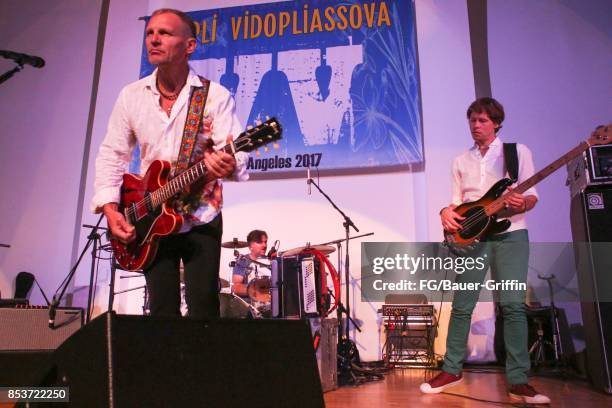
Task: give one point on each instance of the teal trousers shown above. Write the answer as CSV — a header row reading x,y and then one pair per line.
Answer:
x,y
508,256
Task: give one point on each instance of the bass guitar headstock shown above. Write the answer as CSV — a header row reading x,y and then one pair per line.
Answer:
x,y
601,135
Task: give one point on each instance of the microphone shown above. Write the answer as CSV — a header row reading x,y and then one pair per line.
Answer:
x,y
52,309
22,59
273,250
308,179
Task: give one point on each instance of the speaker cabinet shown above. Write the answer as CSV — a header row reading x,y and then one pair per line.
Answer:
x,y
591,217
26,341
325,336
138,361
28,329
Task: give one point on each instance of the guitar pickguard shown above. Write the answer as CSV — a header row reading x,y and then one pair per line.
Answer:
x,y
474,228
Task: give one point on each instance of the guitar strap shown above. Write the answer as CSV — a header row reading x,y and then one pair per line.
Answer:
x,y
197,103
511,160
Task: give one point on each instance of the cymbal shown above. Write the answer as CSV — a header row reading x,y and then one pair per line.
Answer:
x,y
325,249
234,244
223,283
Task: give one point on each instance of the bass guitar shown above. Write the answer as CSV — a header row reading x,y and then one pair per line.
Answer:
x,y
481,215
145,199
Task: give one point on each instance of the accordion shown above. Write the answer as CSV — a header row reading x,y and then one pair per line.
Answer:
x,y
296,287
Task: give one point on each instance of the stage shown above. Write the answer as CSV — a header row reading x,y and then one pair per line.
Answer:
x,y
400,388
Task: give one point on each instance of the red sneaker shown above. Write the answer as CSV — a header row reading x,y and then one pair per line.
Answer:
x,y
440,382
526,393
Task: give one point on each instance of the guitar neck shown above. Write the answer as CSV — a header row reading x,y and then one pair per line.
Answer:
x,y
551,168
178,183
498,204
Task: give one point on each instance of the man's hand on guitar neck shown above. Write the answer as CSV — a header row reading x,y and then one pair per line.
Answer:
x,y
516,203
219,163
119,227
450,219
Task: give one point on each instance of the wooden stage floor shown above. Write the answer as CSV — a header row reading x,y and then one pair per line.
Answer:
x,y
400,388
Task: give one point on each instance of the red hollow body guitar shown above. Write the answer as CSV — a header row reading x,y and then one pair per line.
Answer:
x,y
144,199
481,216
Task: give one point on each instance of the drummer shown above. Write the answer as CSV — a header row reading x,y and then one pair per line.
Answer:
x,y
258,244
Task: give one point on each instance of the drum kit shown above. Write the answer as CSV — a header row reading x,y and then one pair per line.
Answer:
x,y
258,303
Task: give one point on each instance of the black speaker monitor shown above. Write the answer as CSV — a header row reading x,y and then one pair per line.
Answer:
x,y
128,361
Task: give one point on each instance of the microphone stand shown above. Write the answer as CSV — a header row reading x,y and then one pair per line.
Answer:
x,y
8,74
92,238
342,308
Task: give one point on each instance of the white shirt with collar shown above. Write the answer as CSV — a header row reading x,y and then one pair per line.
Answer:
x,y
137,117
473,175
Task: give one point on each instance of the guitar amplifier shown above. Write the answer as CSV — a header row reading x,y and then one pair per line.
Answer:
x,y
591,168
591,219
295,290
28,328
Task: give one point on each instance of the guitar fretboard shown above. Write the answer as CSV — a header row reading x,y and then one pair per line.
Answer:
x,y
498,204
184,179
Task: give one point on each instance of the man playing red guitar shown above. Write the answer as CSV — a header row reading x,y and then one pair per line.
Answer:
x,y
474,172
152,112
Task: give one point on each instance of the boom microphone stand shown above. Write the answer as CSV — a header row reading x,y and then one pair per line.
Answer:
x,y
347,350
92,238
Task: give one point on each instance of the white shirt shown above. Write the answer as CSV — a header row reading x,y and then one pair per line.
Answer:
x,y
473,175
137,117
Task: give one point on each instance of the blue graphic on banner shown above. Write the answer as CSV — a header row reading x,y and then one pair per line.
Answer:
x,y
340,76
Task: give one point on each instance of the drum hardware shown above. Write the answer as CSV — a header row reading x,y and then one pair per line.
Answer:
x,y
131,289
136,274
258,287
235,244
259,263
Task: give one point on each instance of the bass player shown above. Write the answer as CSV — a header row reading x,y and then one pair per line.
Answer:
x,y
507,253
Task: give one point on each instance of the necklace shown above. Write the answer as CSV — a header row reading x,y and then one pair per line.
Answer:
x,y
170,97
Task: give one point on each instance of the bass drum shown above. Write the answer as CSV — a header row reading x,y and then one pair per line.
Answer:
x,y
234,307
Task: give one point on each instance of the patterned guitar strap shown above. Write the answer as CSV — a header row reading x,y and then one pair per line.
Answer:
x,y
189,152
